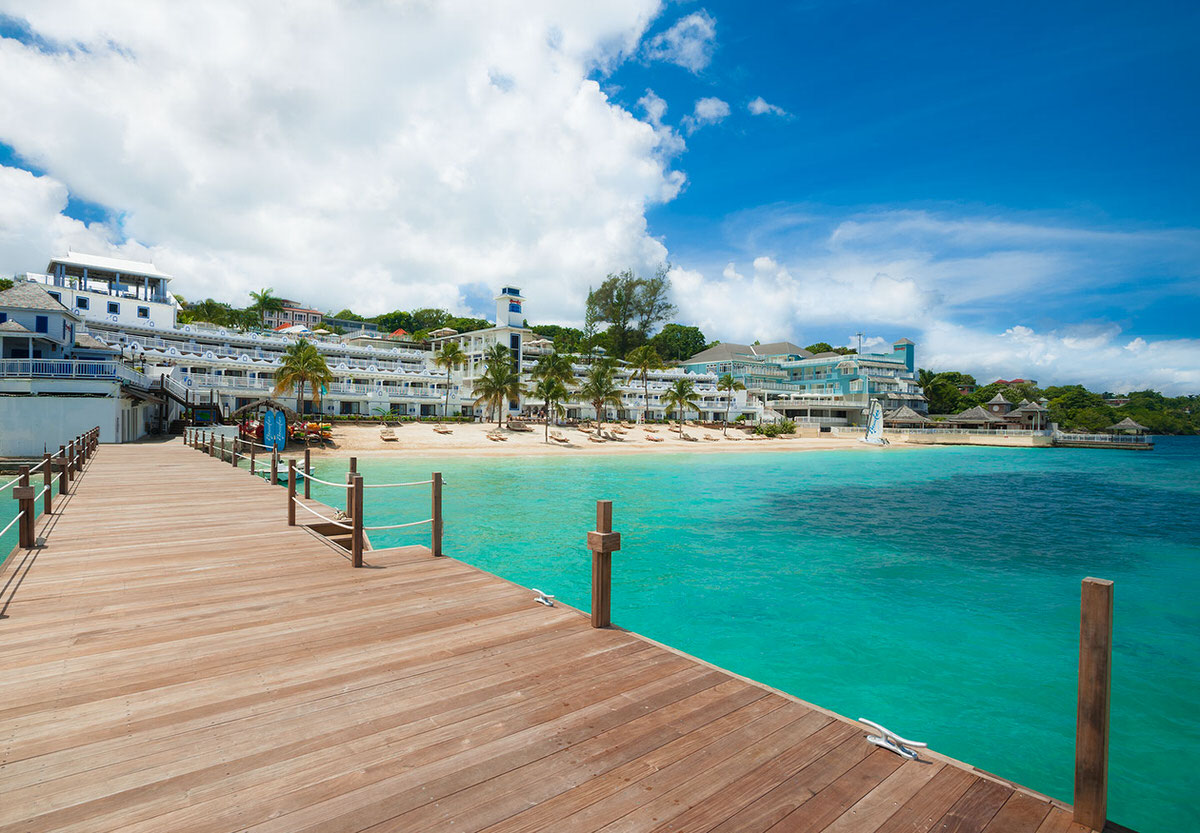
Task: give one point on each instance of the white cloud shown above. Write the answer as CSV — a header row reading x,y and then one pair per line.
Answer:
x,y
826,274
670,143
710,110
366,155
760,107
689,43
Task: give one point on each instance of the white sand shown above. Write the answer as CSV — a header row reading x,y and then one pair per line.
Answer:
x,y
470,439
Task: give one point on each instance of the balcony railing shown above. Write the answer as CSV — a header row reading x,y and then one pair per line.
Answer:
x,y
71,369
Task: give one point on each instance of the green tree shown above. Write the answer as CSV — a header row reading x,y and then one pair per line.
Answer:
x,y
731,385
500,382
641,362
5,283
347,315
632,306
943,397
680,397
264,301
449,357
555,366
600,387
820,347
302,365
925,378
566,339
553,392
677,342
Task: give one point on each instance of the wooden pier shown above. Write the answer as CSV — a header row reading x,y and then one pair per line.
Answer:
x,y
178,658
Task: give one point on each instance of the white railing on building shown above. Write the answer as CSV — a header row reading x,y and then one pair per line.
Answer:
x,y
1103,438
72,369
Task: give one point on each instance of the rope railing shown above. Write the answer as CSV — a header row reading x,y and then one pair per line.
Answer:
x,y
301,504
70,461
13,521
207,442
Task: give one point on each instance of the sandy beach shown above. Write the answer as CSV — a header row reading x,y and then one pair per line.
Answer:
x,y
471,439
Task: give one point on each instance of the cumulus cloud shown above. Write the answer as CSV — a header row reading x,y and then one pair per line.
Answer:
x,y
760,107
708,110
975,293
370,155
670,143
689,43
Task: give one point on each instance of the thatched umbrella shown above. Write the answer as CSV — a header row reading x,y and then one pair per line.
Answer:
x,y
267,402
1128,426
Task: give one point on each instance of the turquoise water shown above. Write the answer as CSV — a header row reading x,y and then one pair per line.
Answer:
x,y
933,590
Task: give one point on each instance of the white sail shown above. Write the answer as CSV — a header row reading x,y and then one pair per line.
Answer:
x,y
874,434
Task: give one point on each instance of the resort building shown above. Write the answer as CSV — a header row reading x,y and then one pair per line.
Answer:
x,y
291,313
106,289
56,381
785,380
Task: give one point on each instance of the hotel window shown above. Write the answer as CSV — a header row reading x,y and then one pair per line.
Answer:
x,y
143,312
56,296
81,303
114,308
3,317
41,324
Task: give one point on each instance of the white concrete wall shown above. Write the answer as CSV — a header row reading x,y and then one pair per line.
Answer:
x,y
31,424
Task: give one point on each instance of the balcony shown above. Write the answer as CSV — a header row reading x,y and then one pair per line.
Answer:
x,y
70,369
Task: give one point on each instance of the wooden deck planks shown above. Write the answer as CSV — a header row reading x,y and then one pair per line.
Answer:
x,y
178,658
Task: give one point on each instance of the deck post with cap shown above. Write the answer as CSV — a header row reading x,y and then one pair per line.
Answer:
x,y
274,467
603,543
291,492
64,476
350,486
253,448
307,472
1095,683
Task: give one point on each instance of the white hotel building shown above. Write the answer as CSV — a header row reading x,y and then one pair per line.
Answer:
x,y
127,364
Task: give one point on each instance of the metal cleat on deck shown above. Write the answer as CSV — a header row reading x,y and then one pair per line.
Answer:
x,y
542,599
893,742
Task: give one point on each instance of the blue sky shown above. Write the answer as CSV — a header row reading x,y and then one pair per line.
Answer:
x,y
1011,185
1079,115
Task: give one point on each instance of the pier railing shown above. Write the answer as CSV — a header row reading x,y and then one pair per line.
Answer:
x,y
1121,439
349,523
68,464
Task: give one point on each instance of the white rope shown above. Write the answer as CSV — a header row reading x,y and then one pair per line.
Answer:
x,y
319,515
12,482
391,485
399,526
10,523
38,466
326,482
42,492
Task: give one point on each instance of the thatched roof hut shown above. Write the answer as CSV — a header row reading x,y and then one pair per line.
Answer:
x,y
1128,426
905,417
266,402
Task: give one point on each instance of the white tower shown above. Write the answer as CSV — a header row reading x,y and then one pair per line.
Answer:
x,y
510,308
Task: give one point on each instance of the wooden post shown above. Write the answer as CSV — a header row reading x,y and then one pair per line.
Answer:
x,y
79,456
274,467
24,497
307,472
435,532
233,461
64,477
350,485
222,457
356,542
67,461
291,492
603,543
212,444
1091,727
253,447
71,458
48,483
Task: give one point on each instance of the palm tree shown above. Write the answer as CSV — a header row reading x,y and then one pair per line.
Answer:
x,y
600,387
730,384
681,396
450,357
500,382
553,392
264,302
925,378
555,366
641,361
302,365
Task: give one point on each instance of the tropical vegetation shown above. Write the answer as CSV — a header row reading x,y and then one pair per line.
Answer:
x,y
640,363
303,366
681,397
500,382
730,385
264,301
600,387
448,358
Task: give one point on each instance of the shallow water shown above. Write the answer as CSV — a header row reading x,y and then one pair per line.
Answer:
x,y
933,590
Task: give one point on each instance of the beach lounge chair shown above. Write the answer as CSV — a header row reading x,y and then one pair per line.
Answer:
x,y
655,439
649,430
387,433
710,438
734,439
558,437
595,439
441,429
